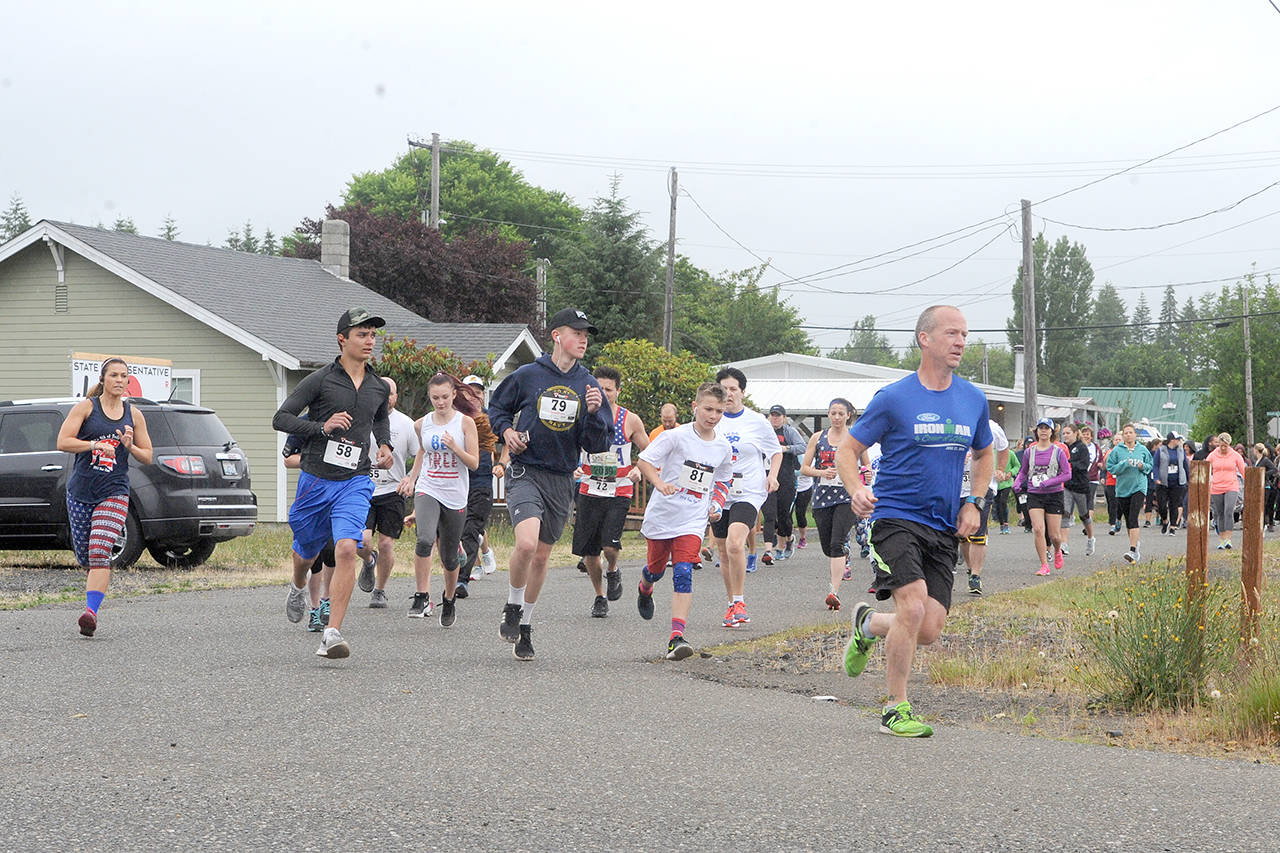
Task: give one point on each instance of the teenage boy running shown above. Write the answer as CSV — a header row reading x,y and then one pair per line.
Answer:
x,y
690,468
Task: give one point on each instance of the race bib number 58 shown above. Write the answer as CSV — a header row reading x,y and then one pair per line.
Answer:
x,y
342,454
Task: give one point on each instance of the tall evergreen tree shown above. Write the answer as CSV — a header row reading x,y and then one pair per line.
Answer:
x,y
169,228
124,225
1110,311
15,219
270,245
1064,293
1167,332
866,345
1141,332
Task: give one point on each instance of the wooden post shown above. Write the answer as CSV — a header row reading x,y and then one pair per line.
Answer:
x,y
1197,530
1251,552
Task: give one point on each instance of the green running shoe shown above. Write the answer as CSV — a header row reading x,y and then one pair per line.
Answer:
x,y
855,651
900,721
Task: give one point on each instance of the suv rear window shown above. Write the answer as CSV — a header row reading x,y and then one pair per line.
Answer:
x,y
29,432
197,429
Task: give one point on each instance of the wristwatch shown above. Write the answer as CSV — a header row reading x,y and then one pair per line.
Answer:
x,y
979,502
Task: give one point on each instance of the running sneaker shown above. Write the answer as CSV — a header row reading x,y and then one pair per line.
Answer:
x,y
613,584
788,552
901,721
803,543
1115,528
1228,546
855,651
378,599
460,591
509,627
1004,530
582,566
524,645
706,554
448,612
1044,569
678,648
88,622
1057,558
314,625
489,561
833,601
333,646
1064,550
296,604
420,607
740,616
366,571
848,572
644,603
1089,545
697,567
324,612
1146,523
975,584
751,563
729,620
767,557
1131,556
600,607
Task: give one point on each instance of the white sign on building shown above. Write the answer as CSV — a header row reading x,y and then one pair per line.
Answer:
x,y
148,377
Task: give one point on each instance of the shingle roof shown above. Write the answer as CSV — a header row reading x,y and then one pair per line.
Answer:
x,y
291,303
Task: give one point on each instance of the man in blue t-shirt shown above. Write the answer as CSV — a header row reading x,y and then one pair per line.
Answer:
x,y
925,424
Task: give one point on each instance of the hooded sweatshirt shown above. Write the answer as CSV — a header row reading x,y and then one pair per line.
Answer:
x,y
551,405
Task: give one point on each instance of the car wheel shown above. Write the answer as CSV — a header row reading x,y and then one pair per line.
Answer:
x,y
128,547
182,556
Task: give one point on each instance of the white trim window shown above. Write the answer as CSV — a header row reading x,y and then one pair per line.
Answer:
x,y
185,385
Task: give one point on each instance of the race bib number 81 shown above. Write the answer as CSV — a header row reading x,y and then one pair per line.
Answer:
x,y
695,478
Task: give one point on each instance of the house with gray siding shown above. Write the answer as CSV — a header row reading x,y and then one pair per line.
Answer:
x,y
240,329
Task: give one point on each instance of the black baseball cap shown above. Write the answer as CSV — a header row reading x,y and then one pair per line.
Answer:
x,y
359,317
777,410
571,317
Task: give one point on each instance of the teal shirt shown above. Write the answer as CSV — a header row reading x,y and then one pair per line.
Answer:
x,y
1130,479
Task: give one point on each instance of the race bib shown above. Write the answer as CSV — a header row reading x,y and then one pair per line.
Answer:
x,y
342,454
1173,469
383,476
695,478
737,488
603,465
557,410
605,488
835,481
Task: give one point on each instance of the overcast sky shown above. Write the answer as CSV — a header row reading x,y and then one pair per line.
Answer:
x,y
813,134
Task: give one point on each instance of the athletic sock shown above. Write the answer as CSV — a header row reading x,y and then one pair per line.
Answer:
x,y
526,614
677,627
865,627
736,599
515,595
646,587
93,599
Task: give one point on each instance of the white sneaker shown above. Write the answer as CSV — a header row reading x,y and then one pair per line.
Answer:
x,y
489,562
296,604
1088,546
1064,551
333,646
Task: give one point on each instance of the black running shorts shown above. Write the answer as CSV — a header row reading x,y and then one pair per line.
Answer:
x,y
906,551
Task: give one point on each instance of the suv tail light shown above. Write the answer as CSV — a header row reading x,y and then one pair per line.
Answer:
x,y
188,466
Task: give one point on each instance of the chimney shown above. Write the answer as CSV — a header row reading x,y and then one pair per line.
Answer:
x,y
335,247
1019,366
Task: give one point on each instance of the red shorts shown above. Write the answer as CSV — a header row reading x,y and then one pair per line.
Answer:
x,y
682,549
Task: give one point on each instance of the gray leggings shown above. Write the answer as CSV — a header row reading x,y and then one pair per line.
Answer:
x,y
1224,511
437,522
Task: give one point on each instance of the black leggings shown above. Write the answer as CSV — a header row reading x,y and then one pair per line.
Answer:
x,y
802,507
1002,506
777,513
834,524
1169,503
479,505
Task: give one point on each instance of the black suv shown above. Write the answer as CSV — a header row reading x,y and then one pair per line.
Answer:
x,y
193,495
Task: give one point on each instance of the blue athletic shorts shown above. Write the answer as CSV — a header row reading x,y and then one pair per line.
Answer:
x,y
328,508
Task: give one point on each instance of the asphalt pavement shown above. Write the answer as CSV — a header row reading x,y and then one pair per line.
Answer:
x,y
205,721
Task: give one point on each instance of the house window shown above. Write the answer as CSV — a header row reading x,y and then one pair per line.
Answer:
x,y
185,385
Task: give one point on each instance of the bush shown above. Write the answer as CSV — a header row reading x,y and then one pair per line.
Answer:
x,y
1145,648
412,367
652,376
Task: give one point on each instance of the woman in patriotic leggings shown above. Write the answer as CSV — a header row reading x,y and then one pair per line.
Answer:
x,y
103,431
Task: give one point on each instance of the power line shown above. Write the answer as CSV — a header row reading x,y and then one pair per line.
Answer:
x,y
1088,327
1204,215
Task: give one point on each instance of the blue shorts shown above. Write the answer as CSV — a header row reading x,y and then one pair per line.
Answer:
x,y
328,508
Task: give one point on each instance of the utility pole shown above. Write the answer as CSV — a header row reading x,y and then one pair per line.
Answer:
x,y
1248,372
543,263
435,182
1030,344
669,309
985,379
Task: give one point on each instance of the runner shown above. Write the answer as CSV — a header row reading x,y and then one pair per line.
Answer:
x,y
479,495
1045,469
605,490
546,413
777,507
973,548
386,507
804,496
1004,490
690,468
447,451
751,437
322,568
670,419
925,423
1172,474
831,510
344,402
1130,463
103,431
1097,470
1226,474
1075,496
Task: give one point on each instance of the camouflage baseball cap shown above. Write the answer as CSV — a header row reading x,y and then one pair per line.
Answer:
x,y
359,317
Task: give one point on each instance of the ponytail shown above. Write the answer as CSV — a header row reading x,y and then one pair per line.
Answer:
x,y
96,390
462,401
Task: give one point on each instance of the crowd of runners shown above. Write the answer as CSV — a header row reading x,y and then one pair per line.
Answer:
x,y
910,484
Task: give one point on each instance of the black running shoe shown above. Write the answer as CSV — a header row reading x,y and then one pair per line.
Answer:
x,y
460,591
509,627
582,566
678,648
599,607
613,582
447,614
524,645
644,603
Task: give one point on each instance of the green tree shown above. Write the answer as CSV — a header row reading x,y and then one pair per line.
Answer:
x,y
15,219
1167,331
612,271
758,323
1141,332
1106,335
1224,408
651,376
999,363
248,240
866,345
270,245
124,225
700,300
412,366
1064,293
169,228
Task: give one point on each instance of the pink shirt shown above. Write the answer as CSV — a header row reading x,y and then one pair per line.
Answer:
x,y
1222,471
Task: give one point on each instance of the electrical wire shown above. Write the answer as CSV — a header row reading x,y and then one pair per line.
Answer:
x,y
1204,215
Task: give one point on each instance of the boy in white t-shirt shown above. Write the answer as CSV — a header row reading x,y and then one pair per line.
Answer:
x,y
690,468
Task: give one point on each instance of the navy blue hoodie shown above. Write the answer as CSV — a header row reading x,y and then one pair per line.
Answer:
x,y
551,405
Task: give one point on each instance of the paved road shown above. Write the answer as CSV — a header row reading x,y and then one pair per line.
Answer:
x,y
203,720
